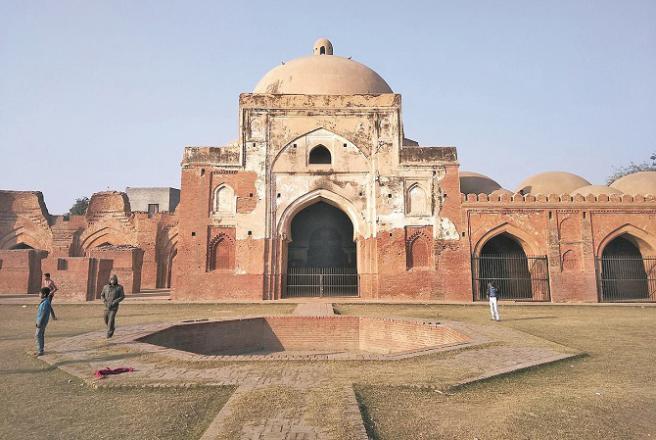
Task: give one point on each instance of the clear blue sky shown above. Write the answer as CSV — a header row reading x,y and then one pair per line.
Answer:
x,y
97,95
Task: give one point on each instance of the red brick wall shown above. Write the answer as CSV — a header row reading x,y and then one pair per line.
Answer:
x,y
20,271
76,277
570,231
126,264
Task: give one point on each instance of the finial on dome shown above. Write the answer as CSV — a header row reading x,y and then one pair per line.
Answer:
x,y
323,46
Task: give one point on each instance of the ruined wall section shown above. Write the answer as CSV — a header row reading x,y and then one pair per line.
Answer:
x,y
24,219
221,206
64,243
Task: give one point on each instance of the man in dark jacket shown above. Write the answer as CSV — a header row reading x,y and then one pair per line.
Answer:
x,y
112,294
42,317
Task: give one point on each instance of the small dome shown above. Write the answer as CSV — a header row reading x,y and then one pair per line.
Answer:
x,y
323,46
596,190
642,182
475,183
552,182
322,74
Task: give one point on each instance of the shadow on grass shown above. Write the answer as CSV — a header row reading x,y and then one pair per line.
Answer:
x,y
518,373
528,318
369,425
54,366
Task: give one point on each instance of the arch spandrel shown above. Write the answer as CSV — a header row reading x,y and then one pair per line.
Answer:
x,y
284,219
345,154
22,234
525,240
646,242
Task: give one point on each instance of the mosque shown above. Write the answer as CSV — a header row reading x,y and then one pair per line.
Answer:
x,y
322,194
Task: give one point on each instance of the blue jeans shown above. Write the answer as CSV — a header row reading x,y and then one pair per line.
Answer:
x,y
40,338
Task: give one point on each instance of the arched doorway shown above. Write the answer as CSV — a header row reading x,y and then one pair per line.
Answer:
x,y
321,256
625,274
503,261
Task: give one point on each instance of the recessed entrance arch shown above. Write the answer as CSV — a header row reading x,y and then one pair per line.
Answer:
x,y
517,276
624,273
321,253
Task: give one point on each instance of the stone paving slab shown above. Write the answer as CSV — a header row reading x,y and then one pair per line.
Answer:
x,y
314,309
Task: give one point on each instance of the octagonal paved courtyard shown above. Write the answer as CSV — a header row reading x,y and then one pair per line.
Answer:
x,y
305,392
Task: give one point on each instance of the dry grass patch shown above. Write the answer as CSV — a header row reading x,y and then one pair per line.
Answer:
x,y
608,394
40,401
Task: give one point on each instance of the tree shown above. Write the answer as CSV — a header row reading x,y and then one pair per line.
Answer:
x,y
631,168
80,206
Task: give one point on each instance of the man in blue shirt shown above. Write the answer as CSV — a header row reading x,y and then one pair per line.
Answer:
x,y
493,294
42,317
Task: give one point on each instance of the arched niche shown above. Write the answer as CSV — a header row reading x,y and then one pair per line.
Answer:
x,y
224,200
417,201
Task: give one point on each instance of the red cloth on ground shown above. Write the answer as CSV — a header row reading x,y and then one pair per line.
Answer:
x,y
101,374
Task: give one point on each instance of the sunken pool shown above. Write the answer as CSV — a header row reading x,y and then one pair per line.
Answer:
x,y
308,337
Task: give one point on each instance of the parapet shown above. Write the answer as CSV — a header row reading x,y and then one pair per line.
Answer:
x,y
228,155
427,155
516,199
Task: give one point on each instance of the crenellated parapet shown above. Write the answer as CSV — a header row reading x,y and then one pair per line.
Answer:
x,y
511,200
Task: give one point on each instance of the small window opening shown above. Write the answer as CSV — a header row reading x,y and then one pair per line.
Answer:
x,y
320,155
62,264
389,196
250,232
345,145
202,171
278,195
250,194
584,214
153,208
193,234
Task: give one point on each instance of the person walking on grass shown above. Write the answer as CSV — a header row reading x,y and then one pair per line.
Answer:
x,y
42,317
50,284
493,294
112,294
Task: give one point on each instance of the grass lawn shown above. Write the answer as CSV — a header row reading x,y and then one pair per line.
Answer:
x,y
42,402
611,394
608,394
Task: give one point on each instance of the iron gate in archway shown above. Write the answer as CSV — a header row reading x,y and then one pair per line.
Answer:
x,y
626,279
517,277
321,281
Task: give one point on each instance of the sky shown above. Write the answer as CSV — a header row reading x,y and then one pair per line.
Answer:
x,y
98,95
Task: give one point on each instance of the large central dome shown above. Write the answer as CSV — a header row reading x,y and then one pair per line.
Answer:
x,y
322,74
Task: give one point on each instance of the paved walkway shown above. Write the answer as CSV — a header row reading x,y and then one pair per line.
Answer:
x,y
314,309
